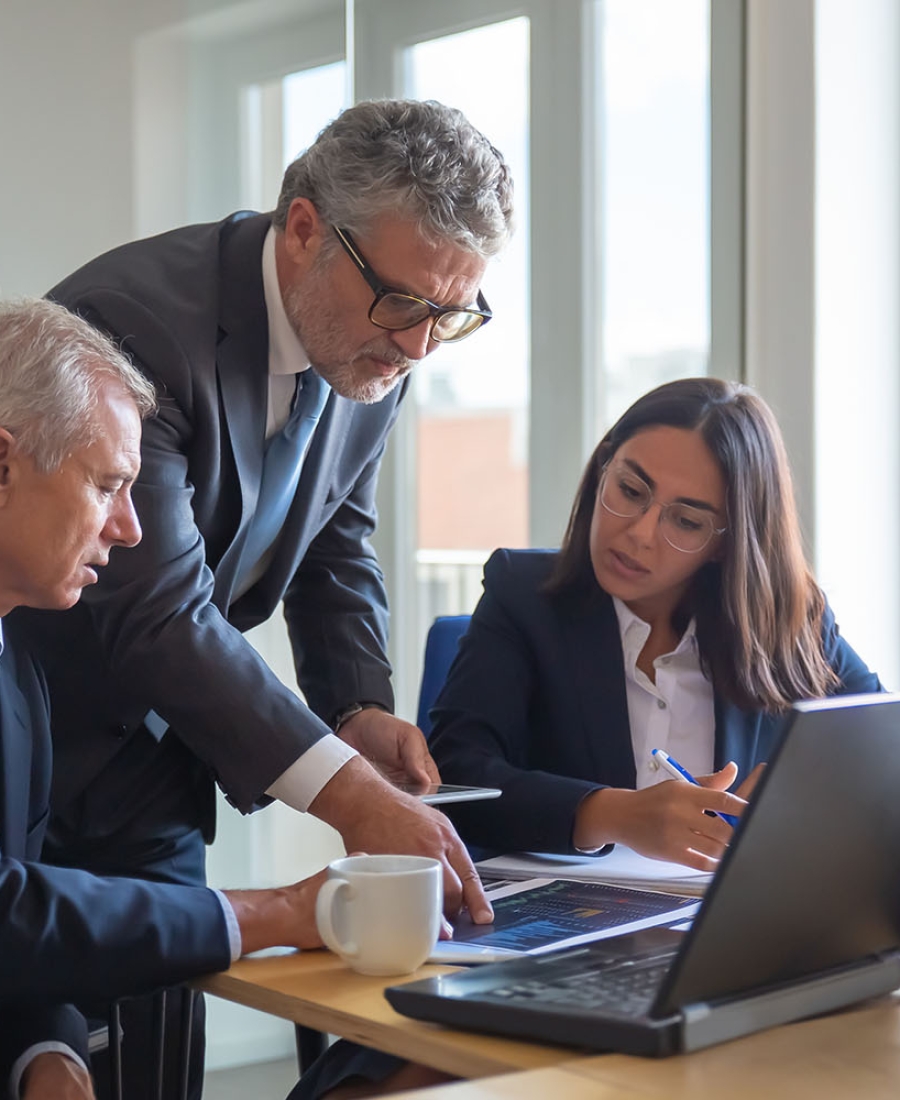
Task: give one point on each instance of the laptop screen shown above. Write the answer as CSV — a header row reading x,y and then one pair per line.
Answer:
x,y
812,878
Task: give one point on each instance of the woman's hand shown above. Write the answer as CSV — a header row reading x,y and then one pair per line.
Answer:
x,y
667,821
746,789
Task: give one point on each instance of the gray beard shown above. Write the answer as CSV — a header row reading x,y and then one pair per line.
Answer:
x,y
343,380
319,332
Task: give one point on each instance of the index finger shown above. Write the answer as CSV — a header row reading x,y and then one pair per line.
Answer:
x,y
472,891
478,905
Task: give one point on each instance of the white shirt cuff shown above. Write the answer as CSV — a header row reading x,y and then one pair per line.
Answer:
x,y
298,786
24,1061
231,923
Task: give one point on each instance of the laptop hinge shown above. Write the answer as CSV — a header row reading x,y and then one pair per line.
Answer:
x,y
705,1023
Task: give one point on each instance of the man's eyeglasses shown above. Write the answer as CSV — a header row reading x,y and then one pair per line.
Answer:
x,y
684,527
397,310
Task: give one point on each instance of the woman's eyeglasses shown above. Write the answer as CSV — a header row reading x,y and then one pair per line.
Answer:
x,y
684,527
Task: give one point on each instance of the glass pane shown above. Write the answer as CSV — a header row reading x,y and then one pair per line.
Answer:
x,y
472,399
312,98
279,119
653,160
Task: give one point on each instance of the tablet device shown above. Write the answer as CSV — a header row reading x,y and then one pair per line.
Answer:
x,y
434,794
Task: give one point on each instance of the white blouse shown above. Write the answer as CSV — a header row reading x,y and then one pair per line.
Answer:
x,y
676,713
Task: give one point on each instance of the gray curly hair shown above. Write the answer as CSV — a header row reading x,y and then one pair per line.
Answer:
x,y
421,160
51,366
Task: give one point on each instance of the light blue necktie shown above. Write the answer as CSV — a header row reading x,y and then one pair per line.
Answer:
x,y
282,464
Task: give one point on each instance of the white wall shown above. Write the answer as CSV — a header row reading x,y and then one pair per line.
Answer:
x,y
101,97
65,136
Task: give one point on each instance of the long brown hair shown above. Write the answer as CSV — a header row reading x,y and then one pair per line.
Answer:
x,y
757,606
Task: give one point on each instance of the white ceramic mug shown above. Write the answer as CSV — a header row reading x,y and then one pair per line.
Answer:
x,y
382,914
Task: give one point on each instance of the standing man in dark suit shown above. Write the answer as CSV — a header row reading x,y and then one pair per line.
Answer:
x,y
70,429
374,255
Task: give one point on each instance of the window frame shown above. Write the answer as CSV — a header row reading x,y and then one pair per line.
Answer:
x,y
566,336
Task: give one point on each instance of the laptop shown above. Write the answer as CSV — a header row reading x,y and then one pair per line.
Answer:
x,y
802,916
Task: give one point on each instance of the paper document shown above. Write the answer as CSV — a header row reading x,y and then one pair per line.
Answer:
x,y
540,915
622,867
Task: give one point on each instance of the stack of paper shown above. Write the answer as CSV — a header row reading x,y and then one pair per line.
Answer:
x,y
621,867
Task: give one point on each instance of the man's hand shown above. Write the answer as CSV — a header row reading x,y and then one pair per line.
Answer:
x,y
284,917
396,748
372,816
53,1076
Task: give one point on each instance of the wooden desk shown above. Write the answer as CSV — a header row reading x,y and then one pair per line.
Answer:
x,y
850,1055
320,991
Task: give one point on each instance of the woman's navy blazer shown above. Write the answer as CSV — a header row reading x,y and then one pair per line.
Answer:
x,y
535,704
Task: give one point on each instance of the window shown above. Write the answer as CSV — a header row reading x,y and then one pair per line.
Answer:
x,y
281,118
471,437
585,319
652,143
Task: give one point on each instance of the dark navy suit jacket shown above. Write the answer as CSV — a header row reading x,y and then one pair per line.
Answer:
x,y
535,704
161,630
65,934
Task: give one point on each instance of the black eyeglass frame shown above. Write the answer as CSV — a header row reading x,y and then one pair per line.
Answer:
x,y
381,291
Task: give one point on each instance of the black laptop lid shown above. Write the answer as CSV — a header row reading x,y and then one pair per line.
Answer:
x,y
812,878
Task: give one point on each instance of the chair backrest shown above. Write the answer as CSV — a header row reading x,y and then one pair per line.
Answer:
x,y
440,649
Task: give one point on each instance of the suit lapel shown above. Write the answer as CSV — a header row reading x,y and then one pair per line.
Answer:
x,y
594,650
243,375
15,761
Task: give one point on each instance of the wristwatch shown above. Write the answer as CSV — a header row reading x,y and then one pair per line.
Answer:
x,y
348,712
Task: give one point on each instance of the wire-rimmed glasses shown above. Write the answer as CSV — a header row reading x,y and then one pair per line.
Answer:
x,y
625,494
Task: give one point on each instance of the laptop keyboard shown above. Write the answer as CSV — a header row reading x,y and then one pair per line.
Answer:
x,y
610,987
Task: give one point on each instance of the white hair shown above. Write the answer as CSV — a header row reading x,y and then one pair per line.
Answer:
x,y
52,366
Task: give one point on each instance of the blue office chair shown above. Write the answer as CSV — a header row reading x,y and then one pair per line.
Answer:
x,y
441,646
440,649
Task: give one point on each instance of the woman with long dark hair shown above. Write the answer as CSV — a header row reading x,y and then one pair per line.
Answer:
x,y
679,614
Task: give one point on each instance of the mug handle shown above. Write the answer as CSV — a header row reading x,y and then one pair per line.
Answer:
x,y
324,909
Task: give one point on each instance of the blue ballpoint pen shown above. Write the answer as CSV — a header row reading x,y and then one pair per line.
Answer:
x,y
669,764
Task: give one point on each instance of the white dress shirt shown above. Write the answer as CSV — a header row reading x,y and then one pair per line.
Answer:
x,y
302,781
677,713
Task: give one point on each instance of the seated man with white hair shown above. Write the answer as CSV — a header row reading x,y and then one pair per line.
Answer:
x,y
70,432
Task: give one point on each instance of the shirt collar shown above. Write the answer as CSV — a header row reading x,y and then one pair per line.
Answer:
x,y
286,353
1,635
632,627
